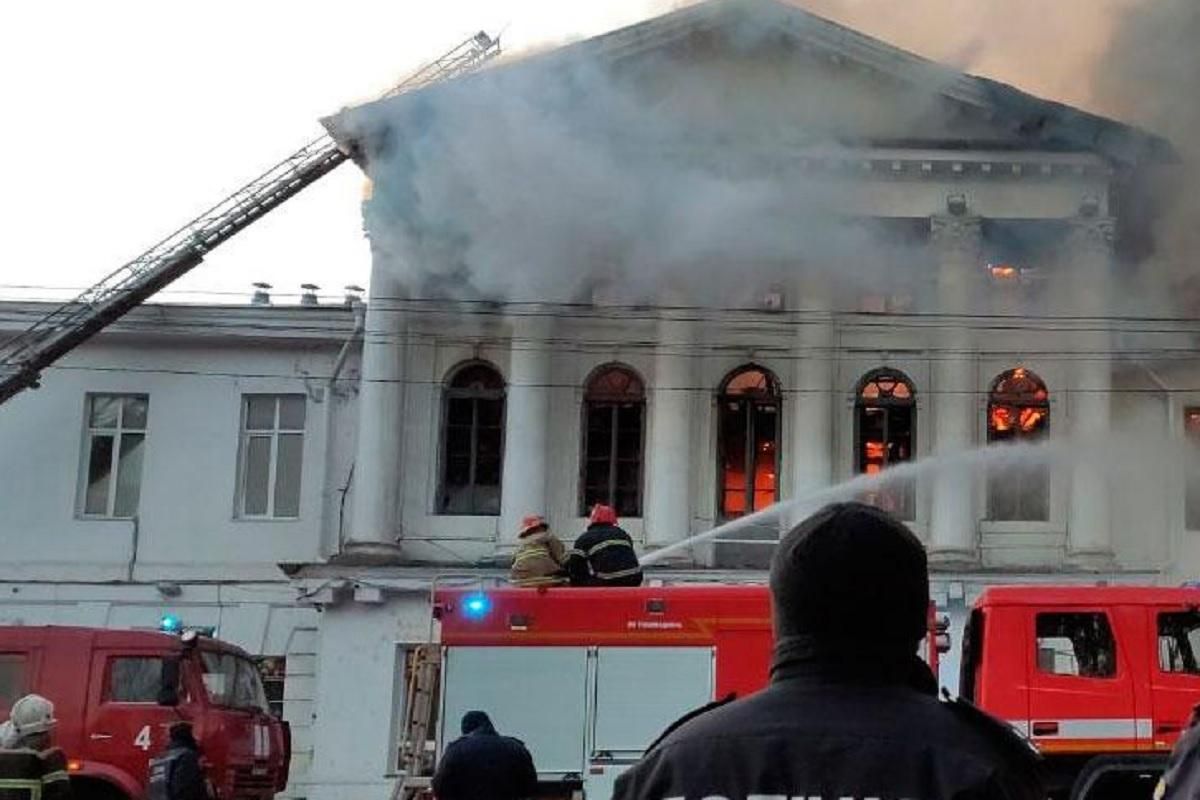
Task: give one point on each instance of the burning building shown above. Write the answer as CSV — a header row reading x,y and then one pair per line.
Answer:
x,y
732,256
728,258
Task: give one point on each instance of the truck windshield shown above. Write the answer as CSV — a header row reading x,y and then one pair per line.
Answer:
x,y
233,681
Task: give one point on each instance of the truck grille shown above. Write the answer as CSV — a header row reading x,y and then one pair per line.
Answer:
x,y
252,782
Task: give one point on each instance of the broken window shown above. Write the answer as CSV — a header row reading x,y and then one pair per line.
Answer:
x,y
1179,641
1191,505
1079,644
1018,412
885,415
748,441
614,407
472,441
116,438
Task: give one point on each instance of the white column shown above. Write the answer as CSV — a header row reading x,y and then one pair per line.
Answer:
x,y
668,501
811,402
956,244
1089,532
376,491
527,409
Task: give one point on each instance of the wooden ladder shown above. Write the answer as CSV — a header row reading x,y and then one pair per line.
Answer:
x,y
419,699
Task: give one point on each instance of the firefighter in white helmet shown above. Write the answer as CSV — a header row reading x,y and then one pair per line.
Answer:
x,y
30,766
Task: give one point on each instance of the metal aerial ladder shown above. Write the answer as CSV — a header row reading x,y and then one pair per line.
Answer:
x,y
23,357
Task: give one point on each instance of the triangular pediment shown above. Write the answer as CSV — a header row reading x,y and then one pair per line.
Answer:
x,y
747,70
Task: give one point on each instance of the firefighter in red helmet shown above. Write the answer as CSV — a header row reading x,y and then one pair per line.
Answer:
x,y
604,554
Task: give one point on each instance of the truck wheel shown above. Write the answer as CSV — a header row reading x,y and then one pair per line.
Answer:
x,y
93,789
1118,778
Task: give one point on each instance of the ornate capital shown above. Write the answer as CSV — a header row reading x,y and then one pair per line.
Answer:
x,y
1092,233
962,235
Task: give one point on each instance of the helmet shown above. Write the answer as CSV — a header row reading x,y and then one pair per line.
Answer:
x,y
32,714
532,523
603,515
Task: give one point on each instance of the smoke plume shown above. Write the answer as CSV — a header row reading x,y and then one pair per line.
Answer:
x,y
574,174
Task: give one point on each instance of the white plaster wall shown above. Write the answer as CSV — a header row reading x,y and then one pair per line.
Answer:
x,y
360,694
185,519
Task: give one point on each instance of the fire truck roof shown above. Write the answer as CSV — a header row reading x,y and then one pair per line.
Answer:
x,y
647,615
1089,595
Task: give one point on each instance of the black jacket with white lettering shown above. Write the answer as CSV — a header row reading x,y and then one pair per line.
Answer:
x,y
819,731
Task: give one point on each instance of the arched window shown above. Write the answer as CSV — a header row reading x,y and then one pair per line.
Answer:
x,y
614,408
1018,411
472,441
885,423
748,441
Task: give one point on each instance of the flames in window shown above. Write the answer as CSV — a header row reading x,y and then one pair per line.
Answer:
x,y
886,411
749,430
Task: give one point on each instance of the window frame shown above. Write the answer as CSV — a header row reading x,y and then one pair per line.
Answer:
x,y
772,397
994,399
909,488
1117,672
117,433
612,403
1191,485
275,432
110,667
451,392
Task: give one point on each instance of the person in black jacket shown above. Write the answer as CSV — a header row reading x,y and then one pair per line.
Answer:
x,y
851,711
604,554
483,765
177,774
1181,780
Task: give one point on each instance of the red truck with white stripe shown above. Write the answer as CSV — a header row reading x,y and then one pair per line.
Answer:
x,y
116,694
1101,679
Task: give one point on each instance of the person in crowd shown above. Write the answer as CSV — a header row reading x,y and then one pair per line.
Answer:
x,y
851,710
540,558
177,774
483,765
603,555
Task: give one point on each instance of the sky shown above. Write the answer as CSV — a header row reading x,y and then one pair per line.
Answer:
x,y
127,118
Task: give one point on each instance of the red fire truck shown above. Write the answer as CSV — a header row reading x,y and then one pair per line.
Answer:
x,y
1101,679
116,694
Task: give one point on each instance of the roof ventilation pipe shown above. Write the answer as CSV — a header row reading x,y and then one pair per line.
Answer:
x,y
262,294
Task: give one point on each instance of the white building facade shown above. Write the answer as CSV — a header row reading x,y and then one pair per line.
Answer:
x,y
299,477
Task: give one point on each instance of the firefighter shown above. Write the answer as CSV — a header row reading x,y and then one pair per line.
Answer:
x,y
540,556
484,764
177,774
604,554
30,766
851,711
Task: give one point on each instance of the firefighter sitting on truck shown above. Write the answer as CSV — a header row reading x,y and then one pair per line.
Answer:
x,y
604,554
540,556
30,766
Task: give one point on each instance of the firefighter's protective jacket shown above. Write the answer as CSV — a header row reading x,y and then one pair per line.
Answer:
x,y
29,775
604,556
539,561
816,734
483,765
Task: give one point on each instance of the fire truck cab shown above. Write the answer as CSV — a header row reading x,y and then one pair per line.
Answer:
x,y
1101,679
117,693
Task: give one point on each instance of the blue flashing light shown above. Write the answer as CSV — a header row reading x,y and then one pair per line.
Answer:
x,y
170,624
476,606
